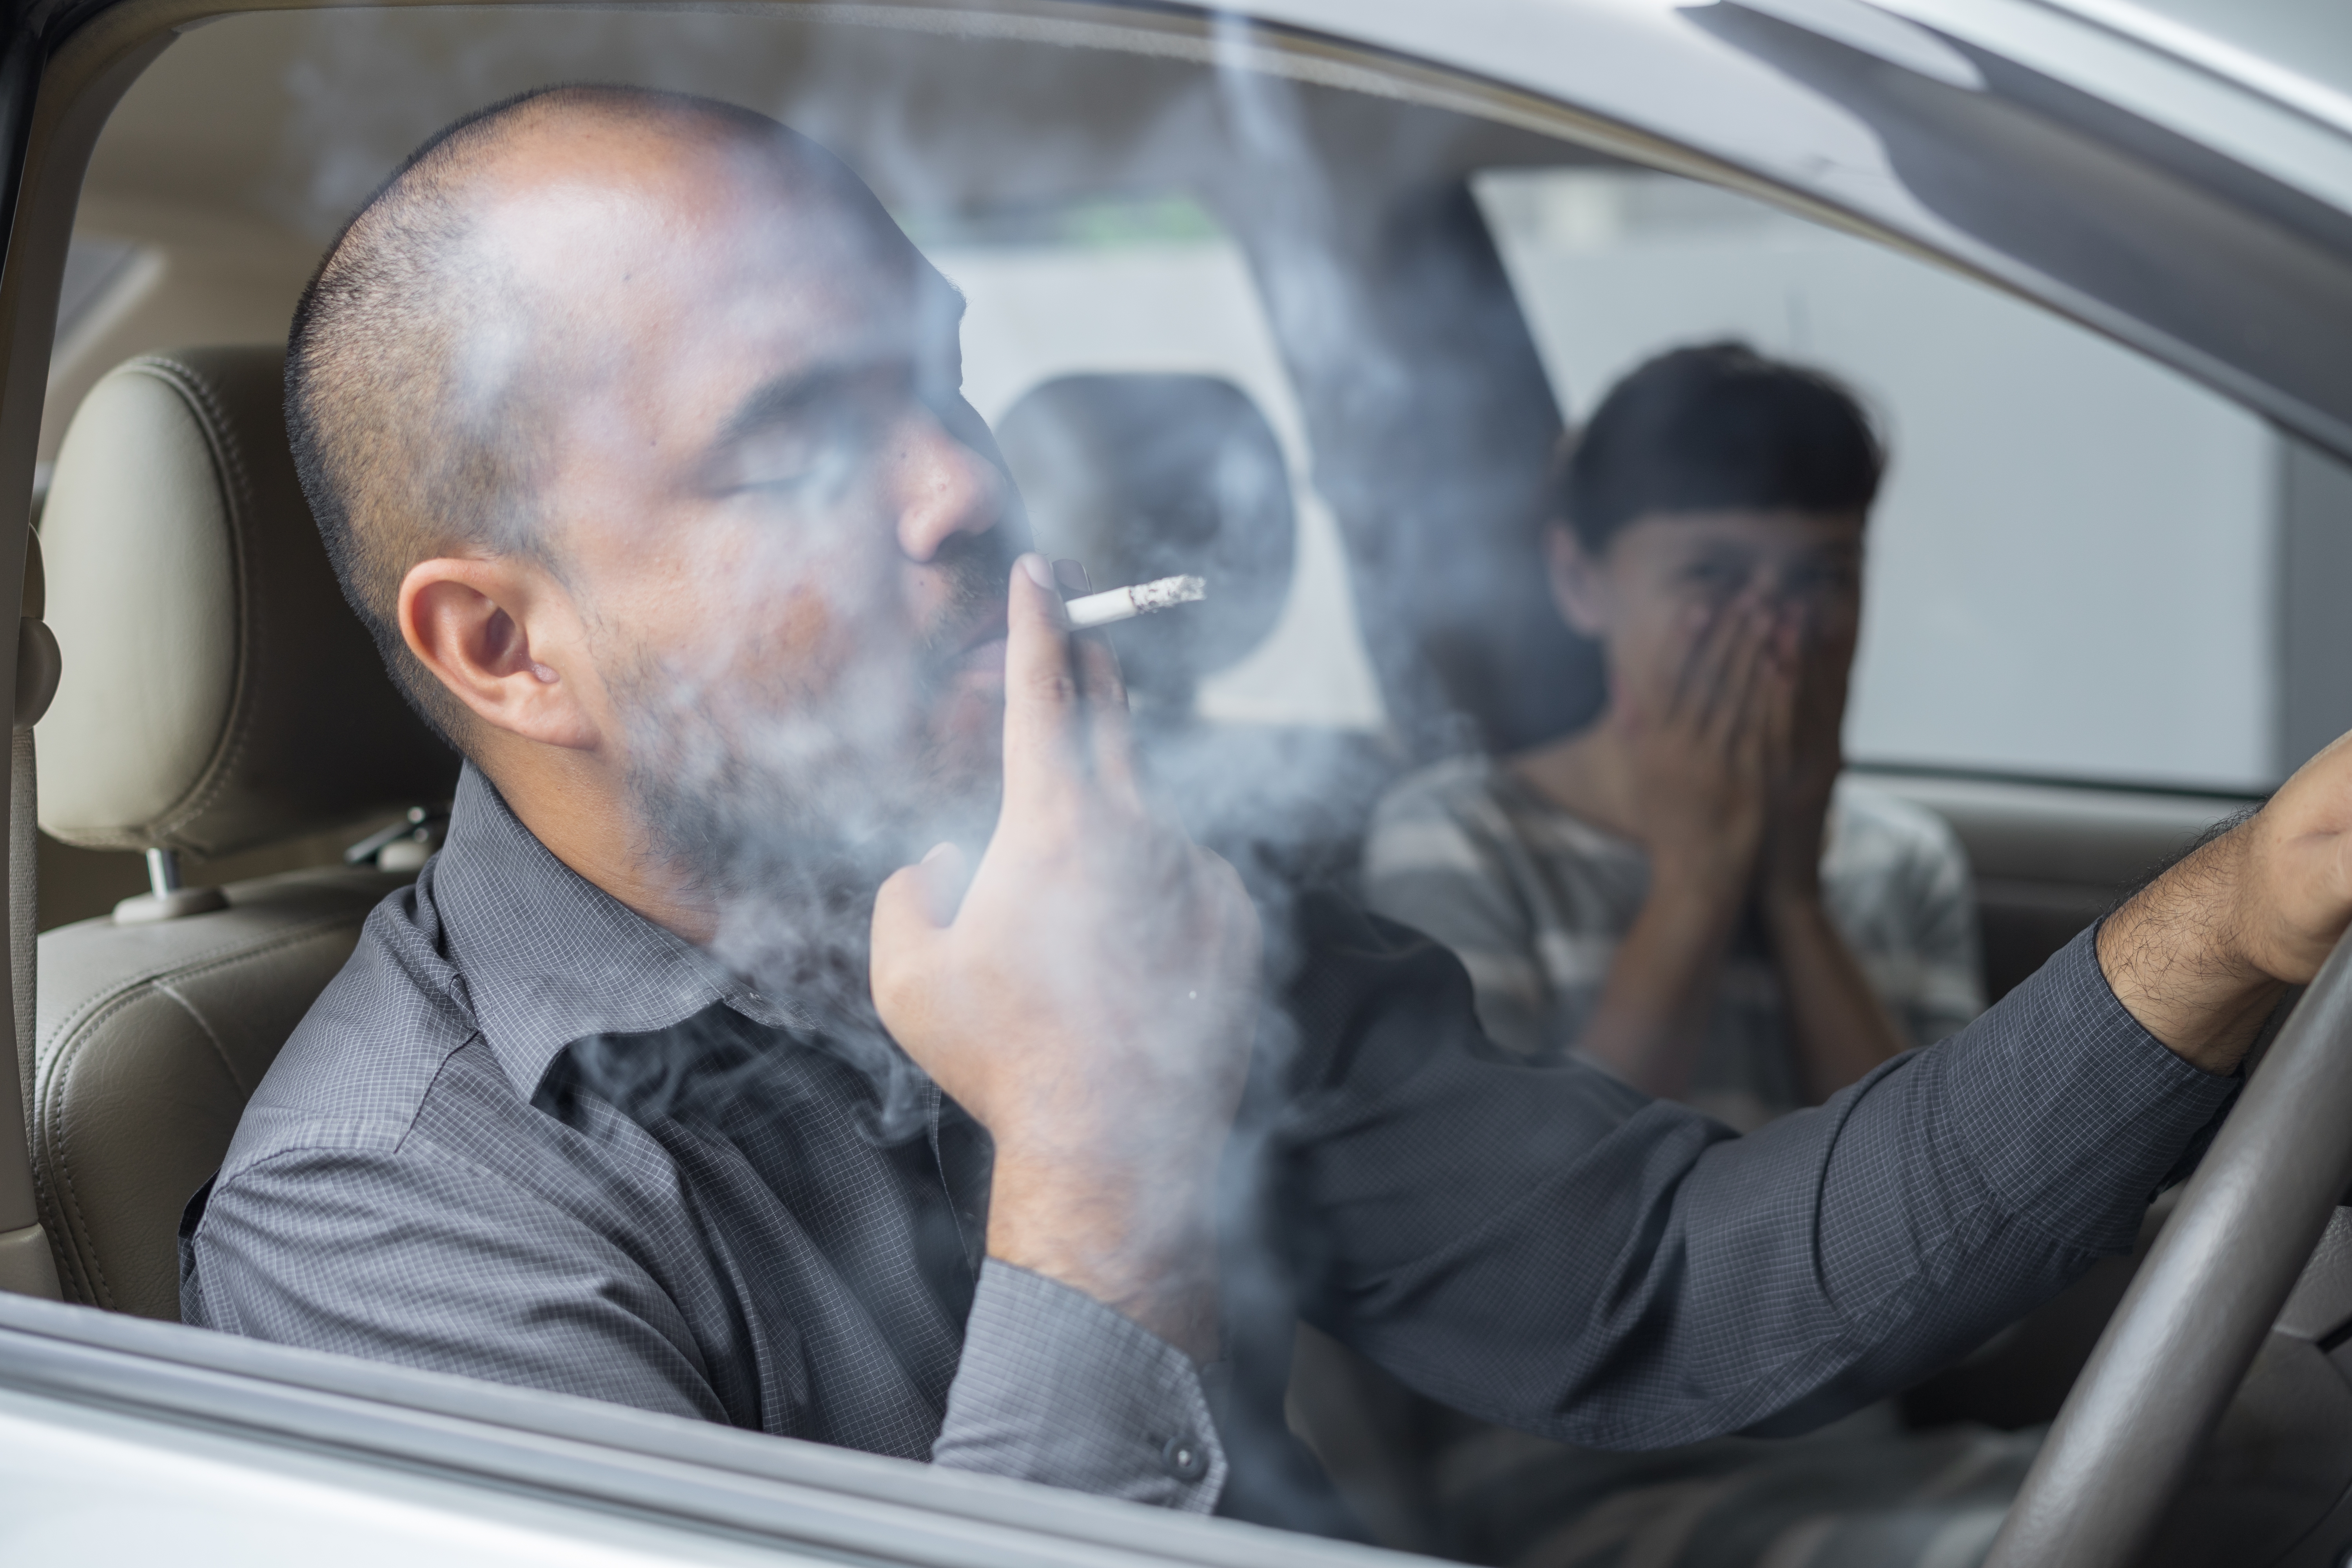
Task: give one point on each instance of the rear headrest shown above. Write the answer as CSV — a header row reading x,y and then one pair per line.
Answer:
x,y
1149,475
216,693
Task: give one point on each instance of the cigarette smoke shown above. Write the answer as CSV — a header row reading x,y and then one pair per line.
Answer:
x,y
791,800
794,810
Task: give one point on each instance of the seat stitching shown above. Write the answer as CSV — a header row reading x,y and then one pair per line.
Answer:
x,y
71,1042
205,959
103,1294
220,1050
55,1136
58,1219
51,1131
161,979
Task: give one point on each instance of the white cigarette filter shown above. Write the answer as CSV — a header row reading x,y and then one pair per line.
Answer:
x,y
1140,599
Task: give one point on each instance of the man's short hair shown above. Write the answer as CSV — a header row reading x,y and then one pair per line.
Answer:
x,y
413,386
1717,427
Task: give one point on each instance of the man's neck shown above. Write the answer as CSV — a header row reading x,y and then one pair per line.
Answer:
x,y
573,805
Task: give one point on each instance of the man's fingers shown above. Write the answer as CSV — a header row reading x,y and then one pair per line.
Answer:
x,y
941,877
1110,734
906,931
1041,695
1102,687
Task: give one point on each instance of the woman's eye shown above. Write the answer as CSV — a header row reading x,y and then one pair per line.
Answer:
x,y
1825,579
1715,574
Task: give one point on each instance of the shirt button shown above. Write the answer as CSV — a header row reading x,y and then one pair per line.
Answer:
x,y
1185,1459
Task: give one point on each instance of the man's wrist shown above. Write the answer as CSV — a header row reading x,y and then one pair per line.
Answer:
x,y
1138,1238
2172,956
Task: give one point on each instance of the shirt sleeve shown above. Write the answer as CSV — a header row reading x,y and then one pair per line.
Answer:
x,y
1427,869
1547,1249
1056,1387
324,1247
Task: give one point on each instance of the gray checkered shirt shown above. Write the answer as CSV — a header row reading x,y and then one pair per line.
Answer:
x,y
428,1176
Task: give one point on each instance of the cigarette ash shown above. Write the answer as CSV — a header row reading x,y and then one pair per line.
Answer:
x,y
1138,599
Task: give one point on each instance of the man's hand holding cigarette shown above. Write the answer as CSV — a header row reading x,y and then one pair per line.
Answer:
x,y
1091,998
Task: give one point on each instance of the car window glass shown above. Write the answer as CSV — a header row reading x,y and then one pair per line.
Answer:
x,y
1113,267
2075,568
2050,494
1158,286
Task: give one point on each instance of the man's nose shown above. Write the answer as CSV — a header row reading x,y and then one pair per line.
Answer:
x,y
947,487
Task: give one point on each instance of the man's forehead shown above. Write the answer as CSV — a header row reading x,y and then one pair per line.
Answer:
x,y
658,207
699,266
685,288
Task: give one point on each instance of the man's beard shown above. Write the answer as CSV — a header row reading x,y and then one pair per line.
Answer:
x,y
786,811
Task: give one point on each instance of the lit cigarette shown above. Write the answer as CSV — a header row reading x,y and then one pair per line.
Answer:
x,y
1126,603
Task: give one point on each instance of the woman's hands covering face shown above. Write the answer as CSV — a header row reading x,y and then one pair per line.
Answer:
x,y
1707,732
1807,771
1734,738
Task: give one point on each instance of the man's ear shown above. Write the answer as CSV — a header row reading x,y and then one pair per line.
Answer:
x,y
503,636
1578,582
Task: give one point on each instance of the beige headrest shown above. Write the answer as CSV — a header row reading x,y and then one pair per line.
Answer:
x,y
217,692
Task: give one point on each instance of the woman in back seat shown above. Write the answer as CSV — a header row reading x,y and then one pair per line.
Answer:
x,y
1684,892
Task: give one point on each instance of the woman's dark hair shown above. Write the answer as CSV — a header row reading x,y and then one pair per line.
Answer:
x,y
1712,428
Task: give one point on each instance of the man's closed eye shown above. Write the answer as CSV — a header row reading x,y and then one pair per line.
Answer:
x,y
809,461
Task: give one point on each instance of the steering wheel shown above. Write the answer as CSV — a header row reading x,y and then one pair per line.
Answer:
x,y
2189,1326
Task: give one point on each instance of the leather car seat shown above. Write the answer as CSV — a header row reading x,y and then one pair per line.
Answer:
x,y
216,695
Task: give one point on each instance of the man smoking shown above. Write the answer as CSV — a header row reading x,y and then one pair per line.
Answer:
x,y
632,425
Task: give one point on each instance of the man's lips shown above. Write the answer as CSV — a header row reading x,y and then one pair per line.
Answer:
x,y
981,650
982,660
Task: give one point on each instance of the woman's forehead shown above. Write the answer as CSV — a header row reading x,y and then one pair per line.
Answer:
x,y
1780,531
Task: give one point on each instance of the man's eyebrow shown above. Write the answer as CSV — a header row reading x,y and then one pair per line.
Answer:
x,y
788,397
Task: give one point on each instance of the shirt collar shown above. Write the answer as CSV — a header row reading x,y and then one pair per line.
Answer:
x,y
548,957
